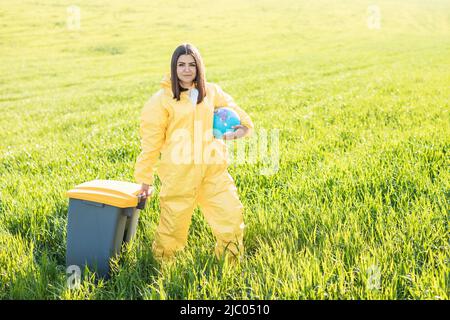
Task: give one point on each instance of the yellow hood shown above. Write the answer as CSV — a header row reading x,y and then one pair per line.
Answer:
x,y
166,82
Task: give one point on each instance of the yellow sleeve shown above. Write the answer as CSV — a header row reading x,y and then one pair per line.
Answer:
x,y
223,99
154,119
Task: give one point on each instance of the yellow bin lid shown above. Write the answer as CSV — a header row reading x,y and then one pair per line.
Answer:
x,y
114,193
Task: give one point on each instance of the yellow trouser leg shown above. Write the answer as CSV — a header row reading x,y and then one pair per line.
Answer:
x,y
179,185
172,232
222,209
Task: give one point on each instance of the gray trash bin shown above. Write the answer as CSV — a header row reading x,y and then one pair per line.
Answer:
x,y
103,214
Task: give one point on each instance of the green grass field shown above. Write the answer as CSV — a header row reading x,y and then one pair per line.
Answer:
x,y
358,208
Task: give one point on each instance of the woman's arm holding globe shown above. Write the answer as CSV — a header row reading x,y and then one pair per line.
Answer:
x,y
223,99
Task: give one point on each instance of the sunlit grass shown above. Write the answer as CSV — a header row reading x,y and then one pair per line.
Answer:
x,y
362,181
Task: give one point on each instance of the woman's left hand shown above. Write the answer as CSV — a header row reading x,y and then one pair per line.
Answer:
x,y
239,132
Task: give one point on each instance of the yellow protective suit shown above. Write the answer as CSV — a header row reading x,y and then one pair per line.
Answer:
x,y
192,168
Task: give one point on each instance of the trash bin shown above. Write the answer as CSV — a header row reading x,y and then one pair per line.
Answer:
x,y
103,214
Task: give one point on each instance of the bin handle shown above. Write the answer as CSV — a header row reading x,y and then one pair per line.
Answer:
x,y
95,204
141,202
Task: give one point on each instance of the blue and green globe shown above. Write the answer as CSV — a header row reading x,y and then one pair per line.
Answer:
x,y
224,120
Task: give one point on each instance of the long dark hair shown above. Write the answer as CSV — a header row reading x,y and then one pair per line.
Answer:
x,y
199,80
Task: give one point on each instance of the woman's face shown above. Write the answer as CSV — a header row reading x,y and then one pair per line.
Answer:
x,y
186,69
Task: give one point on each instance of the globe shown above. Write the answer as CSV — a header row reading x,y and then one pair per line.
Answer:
x,y
224,120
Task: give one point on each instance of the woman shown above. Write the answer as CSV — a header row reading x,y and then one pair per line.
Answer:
x,y
176,123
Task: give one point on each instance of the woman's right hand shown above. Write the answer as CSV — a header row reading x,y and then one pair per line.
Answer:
x,y
144,190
